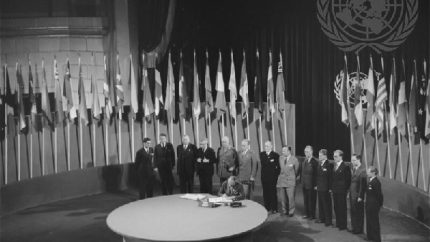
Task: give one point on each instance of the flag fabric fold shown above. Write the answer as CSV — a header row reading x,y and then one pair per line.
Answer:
x,y
96,102
46,106
83,113
170,90
20,97
196,91
258,99
270,92
381,99
233,90
10,98
412,110
358,108
67,94
280,91
148,106
133,90
119,87
402,105
370,96
421,103
344,97
183,92
243,90
158,93
58,96
107,93
209,102
220,103
392,99
31,90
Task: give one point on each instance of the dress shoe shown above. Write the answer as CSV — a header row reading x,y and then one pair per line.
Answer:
x,y
319,221
306,217
291,215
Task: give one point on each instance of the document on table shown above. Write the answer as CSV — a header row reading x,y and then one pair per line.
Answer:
x,y
194,197
221,199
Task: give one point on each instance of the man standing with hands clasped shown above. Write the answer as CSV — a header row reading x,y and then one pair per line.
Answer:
x,y
205,166
287,181
164,159
340,186
309,182
269,176
356,194
324,179
145,169
248,165
187,155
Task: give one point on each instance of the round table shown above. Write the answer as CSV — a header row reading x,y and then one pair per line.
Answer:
x,y
171,218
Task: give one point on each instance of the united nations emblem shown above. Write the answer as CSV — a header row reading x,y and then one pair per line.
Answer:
x,y
382,25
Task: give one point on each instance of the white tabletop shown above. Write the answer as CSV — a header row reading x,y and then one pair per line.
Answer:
x,y
171,218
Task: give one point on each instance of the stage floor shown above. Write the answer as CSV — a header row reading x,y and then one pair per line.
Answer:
x,y
84,219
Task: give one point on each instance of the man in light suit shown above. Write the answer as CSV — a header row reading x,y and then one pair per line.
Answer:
x,y
324,180
356,194
187,156
309,182
164,159
340,185
287,181
145,169
374,202
269,176
248,165
205,166
227,160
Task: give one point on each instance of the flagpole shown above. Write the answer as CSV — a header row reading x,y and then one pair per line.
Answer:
x,y
94,142
56,150
389,143
222,126
31,146
171,129
285,128
81,162
261,134
197,131
377,144
400,156
410,153
144,126
422,164
119,136
5,138
132,139
349,107
273,133
158,130
106,141
43,151
235,132
68,144
19,152
210,128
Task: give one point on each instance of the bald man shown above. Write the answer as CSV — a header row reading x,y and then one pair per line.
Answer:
x,y
187,156
227,160
205,166
248,165
270,170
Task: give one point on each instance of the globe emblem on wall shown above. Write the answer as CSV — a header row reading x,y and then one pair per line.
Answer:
x,y
382,25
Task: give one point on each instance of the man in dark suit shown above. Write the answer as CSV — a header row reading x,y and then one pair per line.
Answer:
x,y
324,179
356,194
187,155
340,185
270,170
164,159
374,201
309,182
248,165
205,166
145,169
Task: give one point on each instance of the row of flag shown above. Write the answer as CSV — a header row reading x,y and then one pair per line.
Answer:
x,y
388,109
65,108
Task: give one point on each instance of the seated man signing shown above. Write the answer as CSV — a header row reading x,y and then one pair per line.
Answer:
x,y
232,188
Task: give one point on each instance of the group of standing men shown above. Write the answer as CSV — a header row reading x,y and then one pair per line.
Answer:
x,y
321,179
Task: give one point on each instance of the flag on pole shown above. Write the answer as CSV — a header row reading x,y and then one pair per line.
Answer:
x,y
402,105
19,96
83,113
243,90
96,103
119,87
421,103
392,114
258,99
107,93
344,97
280,91
233,89
270,110
46,106
196,91
148,106
31,92
358,108
183,93
427,108
58,95
158,93
220,103
370,96
67,94
10,98
133,89
208,88
170,89
381,98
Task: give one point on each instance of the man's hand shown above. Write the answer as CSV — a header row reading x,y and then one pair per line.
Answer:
x,y
359,199
199,160
315,187
231,169
205,160
156,169
252,178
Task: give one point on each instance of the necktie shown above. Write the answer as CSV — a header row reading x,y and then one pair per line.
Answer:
x,y
185,147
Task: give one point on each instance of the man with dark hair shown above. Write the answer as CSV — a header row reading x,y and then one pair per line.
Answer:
x,y
374,201
232,188
324,179
340,186
287,181
145,169
164,159
309,182
187,155
205,166
356,194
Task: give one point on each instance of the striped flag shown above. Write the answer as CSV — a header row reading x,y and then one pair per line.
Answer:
x,y
119,87
421,104
220,103
170,102
392,100
233,90
427,108
196,91
58,95
370,96
83,113
381,98
133,89
243,90
208,88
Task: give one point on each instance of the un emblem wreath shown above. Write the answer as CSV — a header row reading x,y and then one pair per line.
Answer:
x,y
383,26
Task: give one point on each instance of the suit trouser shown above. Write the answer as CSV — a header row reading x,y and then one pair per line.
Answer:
x,y
205,183
339,201
287,197
248,188
310,198
372,223
146,187
324,207
357,215
167,181
186,184
269,195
